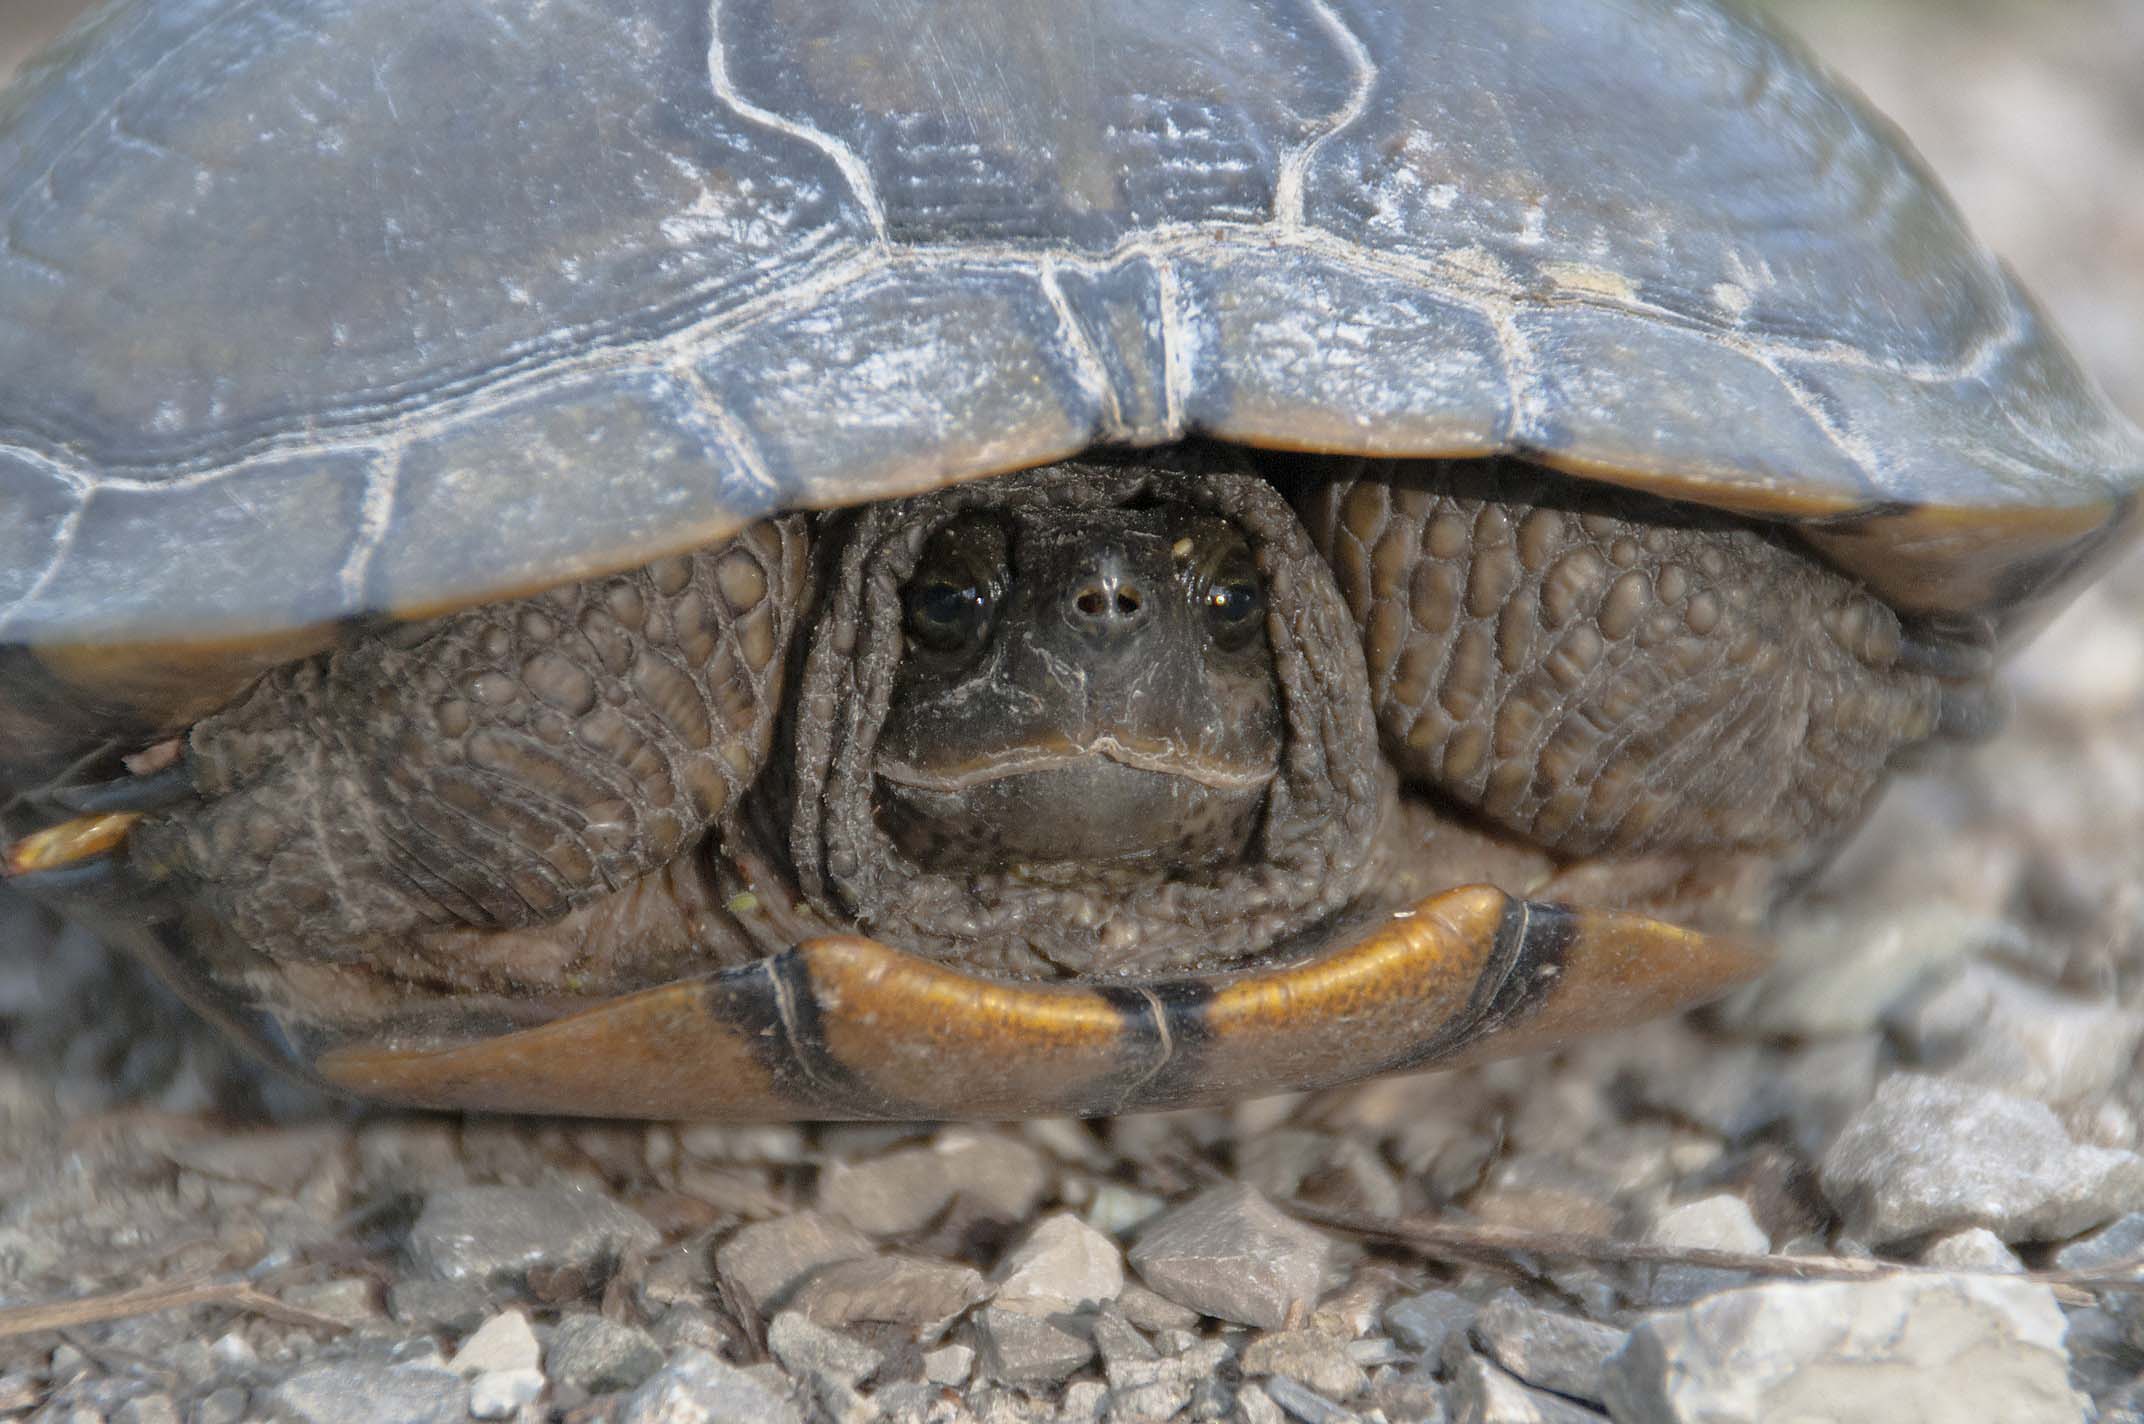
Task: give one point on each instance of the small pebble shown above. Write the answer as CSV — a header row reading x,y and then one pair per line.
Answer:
x,y
498,1234
1310,1357
504,1342
1933,1155
354,1393
147,1409
454,1306
499,1394
762,1264
697,1388
1230,1253
1063,1264
949,1364
903,1191
1934,1349
1029,1351
2118,1244
1722,1222
805,1347
1974,1249
1305,1403
601,1356
1545,1348
1421,1322
1481,1393
890,1290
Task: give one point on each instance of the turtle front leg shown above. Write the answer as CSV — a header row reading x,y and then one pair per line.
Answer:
x,y
502,768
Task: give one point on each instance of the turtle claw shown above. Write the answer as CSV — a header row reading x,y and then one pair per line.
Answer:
x,y
86,840
98,881
155,791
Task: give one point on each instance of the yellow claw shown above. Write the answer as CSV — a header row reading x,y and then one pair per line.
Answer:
x,y
70,841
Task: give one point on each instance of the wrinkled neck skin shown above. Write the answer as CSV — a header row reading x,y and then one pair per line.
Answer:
x,y
1073,800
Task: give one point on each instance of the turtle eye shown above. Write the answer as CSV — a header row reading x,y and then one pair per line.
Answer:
x,y
1226,582
952,597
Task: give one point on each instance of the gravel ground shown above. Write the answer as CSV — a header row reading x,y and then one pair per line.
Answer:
x,y
1932,1104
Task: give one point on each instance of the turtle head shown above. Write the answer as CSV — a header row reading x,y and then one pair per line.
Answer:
x,y
1079,688
1089,719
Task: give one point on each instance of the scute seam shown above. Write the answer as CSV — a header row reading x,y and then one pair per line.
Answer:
x,y
841,154
1288,200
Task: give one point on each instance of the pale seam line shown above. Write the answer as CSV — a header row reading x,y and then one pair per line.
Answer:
x,y
1085,356
382,488
844,157
1175,347
1162,1058
1288,199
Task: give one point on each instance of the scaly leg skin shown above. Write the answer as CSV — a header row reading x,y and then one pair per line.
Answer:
x,y
496,769
1609,678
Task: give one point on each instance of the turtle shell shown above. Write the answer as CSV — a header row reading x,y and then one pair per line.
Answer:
x,y
392,307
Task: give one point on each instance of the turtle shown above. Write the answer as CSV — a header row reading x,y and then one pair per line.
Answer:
x,y
822,558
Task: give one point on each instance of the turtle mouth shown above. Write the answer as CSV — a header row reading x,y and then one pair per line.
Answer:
x,y
1085,804
953,775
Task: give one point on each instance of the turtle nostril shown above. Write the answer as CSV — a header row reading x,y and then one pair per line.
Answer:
x,y
1107,604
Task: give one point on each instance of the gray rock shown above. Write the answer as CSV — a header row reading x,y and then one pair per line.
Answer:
x,y
2113,1245
600,1356
694,1327
1409,1394
500,1394
1083,1402
364,1393
1028,1350
1420,1322
1305,1403
1062,1264
497,1234
891,1290
457,1307
1545,1348
2102,1358
697,1388
222,1406
1974,1249
1149,1311
1481,1393
1230,1253
1115,1209
1842,972
1141,1390
1934,1349
1992,1027
1312,1357
1722,1222
1257,1407
1929,1154
949,1364
762,1264
504,1342
1001,1177
148,1409
805,1348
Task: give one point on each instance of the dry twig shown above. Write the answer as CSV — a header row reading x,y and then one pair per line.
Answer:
x,y
1482,1243
148,1300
